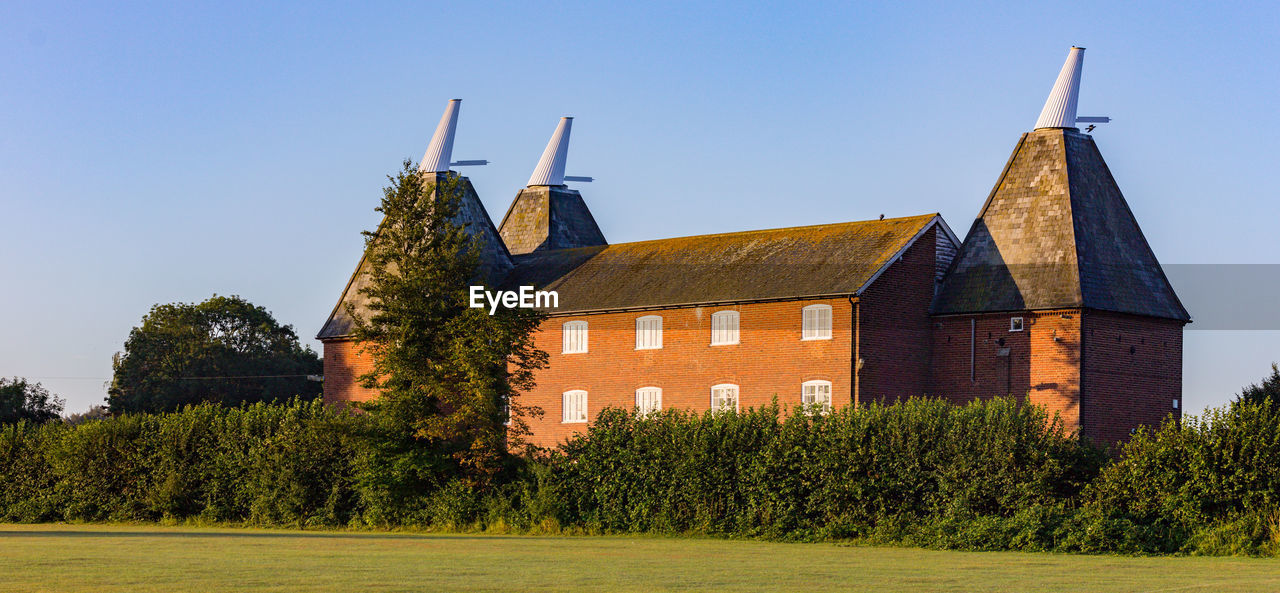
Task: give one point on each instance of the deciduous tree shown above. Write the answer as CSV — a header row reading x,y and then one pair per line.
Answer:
x,y
1268,388
224,350
23,400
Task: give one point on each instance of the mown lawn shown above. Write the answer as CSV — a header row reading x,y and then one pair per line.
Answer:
x,y
148,558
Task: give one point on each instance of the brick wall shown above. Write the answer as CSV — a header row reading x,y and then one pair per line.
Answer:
x,y
769,360
1129,374
1042,362
343,363
1132,373
1054,377
895,328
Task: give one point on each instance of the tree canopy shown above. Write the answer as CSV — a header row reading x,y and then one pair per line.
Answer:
x,y
224,350
1269,388
448,374
23,400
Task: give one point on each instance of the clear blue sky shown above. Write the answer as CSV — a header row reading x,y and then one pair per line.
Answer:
x,y
153,153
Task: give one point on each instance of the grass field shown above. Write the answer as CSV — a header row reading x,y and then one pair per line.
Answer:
x,y
147,558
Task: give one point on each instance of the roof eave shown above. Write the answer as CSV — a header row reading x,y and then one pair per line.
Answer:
x,y
719,303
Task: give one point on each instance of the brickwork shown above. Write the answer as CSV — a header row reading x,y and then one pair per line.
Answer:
x,y
343,364
1104,373
1129,374
770,360
977,356
1132,373
894,343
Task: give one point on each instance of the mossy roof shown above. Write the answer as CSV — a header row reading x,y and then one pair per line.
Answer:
x,y
787,263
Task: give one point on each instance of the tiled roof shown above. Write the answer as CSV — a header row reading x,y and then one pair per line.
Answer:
x,y
1055,233
822,260
549,217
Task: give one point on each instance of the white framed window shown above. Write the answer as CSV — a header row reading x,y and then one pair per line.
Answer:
x,y
648,400
817,322
574,334
649,332
724,328
1015,324
816,396
575,406
724,397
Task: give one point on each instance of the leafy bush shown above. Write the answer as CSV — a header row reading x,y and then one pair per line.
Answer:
x,y
1253,534
26,480
820,476
1187,482
224,350
276,464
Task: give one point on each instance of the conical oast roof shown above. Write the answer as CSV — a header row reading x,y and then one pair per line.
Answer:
x,y
1057,233
546,217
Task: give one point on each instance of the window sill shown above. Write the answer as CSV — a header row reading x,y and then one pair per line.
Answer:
x,y
651,348
725,343
575,352
815,339
573,422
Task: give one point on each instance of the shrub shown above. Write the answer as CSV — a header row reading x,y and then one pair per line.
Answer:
x,y
1254,533
26,479
806,476
1192,483
274,464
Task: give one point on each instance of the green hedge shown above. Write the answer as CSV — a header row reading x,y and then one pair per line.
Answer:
x,y
986,475
851,473
281,464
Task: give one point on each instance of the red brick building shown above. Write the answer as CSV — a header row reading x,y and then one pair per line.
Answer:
x,y
1054,296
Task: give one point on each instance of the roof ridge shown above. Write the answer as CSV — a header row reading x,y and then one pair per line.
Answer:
x,y
1068,168
776,230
